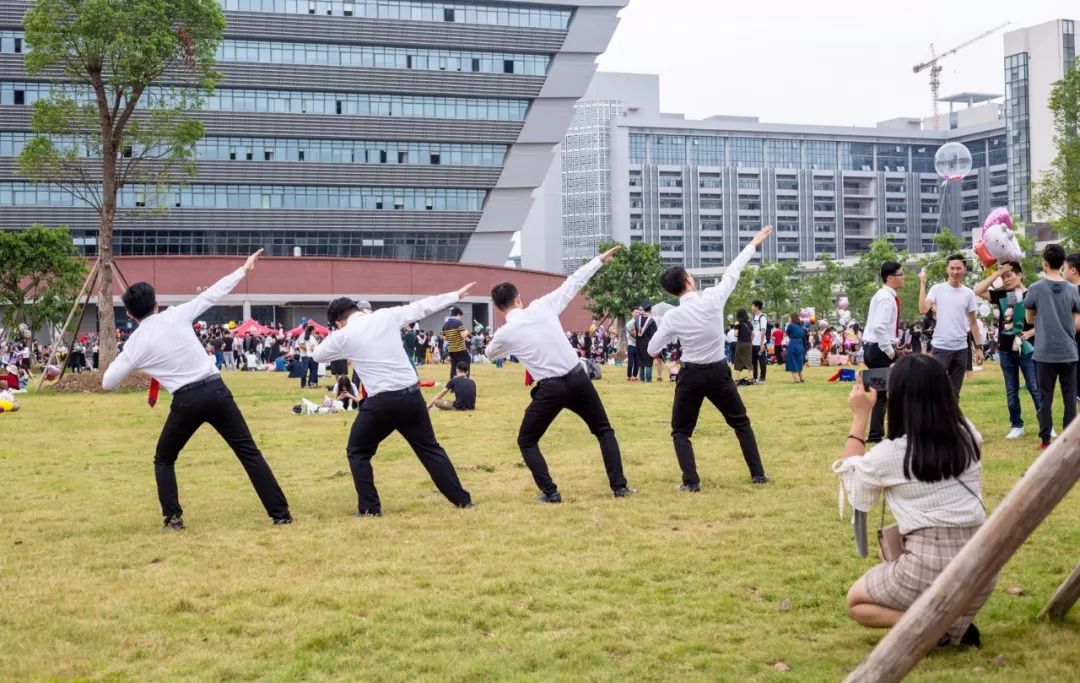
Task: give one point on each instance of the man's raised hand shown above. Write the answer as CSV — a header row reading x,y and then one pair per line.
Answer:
x,y
249,265
465,290
761,235
610,253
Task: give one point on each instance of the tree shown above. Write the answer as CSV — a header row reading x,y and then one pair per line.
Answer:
x,y
1057,193
90,140
41,275
777,288
631,278
817,290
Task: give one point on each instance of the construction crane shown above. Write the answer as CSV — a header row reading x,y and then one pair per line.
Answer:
x,y
935,68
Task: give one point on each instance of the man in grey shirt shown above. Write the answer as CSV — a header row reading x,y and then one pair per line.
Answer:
x,y
1053,305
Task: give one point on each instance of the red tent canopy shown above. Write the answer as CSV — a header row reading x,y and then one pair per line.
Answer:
x,y
319,329
250,325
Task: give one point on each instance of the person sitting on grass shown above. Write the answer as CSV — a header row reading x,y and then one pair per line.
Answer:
x,y
928,469
464,392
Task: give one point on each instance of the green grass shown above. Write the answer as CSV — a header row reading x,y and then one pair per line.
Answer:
x,y
661,586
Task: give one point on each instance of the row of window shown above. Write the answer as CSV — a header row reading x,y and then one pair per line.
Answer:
x,y
12,42
426,246
259,197
381,57
298,102
678,150
412,10
327,151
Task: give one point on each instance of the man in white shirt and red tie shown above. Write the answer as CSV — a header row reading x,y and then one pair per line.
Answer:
x,y
881,337
372,341
698,324
166,347
535,336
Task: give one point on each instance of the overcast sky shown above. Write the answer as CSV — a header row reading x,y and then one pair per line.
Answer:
x,y
839,62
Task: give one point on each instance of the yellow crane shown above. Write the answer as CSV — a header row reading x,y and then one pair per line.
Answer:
x,y
935,68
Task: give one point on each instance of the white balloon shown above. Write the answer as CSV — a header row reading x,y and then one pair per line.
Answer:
x,y
984,309
952,161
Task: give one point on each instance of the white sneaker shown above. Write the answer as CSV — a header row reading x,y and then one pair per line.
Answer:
x,y
1053,433
1015,433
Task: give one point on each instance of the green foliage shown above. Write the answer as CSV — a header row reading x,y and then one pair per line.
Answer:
x,y
631,278
776,284
1057,193
40,277
861,280
818,290
744,293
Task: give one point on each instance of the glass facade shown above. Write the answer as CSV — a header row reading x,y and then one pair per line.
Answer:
x,y
857,156
258,197
381,57
12,42
303,102
820,154
747,152
783,154
1068,44
1018,134
707,151
412,10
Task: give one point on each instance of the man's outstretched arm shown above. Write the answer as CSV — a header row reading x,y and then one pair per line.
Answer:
x,y
559,299
210,296
722,291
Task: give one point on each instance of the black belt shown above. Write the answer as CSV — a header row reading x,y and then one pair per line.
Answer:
x,y
398,392
562,377
703,366
199,383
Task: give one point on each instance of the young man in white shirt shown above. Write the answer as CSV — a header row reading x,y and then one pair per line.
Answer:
x,y
166,347
881,342
759,342
698,324
372,341
535,336
955,306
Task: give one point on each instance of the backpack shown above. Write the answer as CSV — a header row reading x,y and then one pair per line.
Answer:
x,y
592,369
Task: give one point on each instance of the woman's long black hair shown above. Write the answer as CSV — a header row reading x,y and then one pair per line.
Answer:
x,y
308,331
923,407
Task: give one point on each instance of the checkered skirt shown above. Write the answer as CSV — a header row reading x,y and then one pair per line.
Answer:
x,y
899,583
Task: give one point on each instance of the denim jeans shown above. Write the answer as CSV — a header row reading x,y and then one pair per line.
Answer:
x,y
1012,365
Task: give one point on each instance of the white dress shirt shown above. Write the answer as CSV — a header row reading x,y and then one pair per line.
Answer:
x,y
881,320
534,334
372,341
698,321
165,345
915,504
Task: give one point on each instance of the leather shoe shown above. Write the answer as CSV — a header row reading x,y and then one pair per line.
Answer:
x,y
176,523
690,488
287,519
368,513
553,497
468,505
762,479
624,492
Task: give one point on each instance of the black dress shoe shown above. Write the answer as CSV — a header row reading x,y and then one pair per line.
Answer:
x,y
553,497
175,522
971,637
761,479
690,488
368,513
468,505
287,519
624,492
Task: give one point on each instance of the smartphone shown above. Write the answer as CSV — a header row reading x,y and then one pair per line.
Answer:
x,y
876,378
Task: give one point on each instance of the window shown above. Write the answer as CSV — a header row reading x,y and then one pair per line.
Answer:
x,y
348,9
403,157
127,152
18,45
436,158
337,106
311,7
20,97
448,14
508,66
300,155
268,155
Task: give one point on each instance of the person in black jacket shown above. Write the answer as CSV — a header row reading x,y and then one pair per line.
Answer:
x,y
646,328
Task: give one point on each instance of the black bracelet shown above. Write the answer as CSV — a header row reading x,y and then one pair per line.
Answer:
x,y
852,436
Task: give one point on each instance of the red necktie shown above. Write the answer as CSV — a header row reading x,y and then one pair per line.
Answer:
x,y
897,317
151,396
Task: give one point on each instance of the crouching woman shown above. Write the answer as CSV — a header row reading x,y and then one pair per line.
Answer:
x,y
929,472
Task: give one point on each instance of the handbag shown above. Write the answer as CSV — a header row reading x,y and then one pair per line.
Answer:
x,y
891,542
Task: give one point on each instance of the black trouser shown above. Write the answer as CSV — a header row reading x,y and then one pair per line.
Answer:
x,y
575,392
212,402
631,361
404,411
876,358
1048,376
759,359
956,365
713,381
312,373
460,357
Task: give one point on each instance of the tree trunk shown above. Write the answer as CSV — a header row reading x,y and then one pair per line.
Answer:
x,y
106,318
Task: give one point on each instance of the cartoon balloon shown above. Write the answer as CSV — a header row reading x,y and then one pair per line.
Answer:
x,y
984,254
842,303
952,161
999,237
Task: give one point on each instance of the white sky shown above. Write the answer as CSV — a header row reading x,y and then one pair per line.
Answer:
x,y
838,62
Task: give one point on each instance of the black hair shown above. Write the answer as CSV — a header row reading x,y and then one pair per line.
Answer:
x,y
1019,270
503,295
923,407
343,383
308,331
741,315
455,311
673,280
956,257
1073,259
889,268
1054,255
462,367
140,299
340,309
757,304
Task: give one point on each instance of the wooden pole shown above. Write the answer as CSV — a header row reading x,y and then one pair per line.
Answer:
x,y
1065,597
75,331
91,278
1039,490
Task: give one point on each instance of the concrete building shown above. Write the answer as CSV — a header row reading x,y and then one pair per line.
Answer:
x,y
1035,58
701,189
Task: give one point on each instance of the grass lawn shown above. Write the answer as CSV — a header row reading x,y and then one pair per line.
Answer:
x,y
661,586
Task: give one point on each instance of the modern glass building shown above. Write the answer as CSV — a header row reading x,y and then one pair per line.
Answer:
x,y
701,189
401,129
